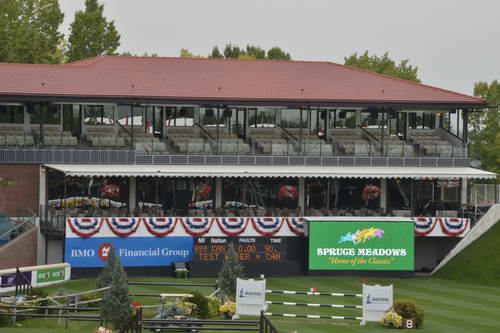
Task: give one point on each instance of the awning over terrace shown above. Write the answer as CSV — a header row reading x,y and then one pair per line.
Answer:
x,y
103,170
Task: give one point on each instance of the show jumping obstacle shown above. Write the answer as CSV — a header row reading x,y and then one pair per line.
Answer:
x,y
313,293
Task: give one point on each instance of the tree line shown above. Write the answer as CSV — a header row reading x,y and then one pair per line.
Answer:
x,y
29,33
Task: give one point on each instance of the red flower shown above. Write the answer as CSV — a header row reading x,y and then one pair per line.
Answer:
x,y
136,304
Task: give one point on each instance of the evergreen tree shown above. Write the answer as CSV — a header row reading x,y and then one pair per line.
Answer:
x,y
215,53
29,31
116,301
231,269
91,34
113,267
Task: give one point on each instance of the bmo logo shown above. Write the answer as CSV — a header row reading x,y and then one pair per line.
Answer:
x,y
82,253
103,251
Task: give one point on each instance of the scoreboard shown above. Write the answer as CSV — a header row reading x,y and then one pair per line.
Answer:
x,y
263,249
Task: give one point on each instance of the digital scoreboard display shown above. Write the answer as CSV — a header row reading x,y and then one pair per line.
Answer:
x,y
263,249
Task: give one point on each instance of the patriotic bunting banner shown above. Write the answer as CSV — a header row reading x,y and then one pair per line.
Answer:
x,y
161,226
267,226
235,226
296,224
124,226
424,225
85,226
454,226
197,226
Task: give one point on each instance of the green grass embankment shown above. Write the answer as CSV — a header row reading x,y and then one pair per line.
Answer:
x,y
478,263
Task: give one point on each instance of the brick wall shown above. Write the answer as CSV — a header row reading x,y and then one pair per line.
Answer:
x,y
21,251
19,186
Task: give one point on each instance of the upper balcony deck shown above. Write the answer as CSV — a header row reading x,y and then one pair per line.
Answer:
x,y
75,133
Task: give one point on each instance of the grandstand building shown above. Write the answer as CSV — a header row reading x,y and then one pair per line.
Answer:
x,y
171,137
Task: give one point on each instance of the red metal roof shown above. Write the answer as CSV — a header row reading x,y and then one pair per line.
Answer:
x,y
218,79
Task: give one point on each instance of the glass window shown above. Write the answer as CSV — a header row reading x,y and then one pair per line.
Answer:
x,y
342,119
52,114
181,116
11,114
373,119
294,118
99,115
422,120
262,118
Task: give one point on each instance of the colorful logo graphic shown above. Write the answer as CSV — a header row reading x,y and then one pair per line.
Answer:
x,y
104,250
362,236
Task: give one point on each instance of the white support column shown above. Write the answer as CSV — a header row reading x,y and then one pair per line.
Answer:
x,y
463,195
218,192
132,193
383,195
302,195
42,192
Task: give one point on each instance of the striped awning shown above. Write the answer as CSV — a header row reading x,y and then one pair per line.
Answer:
x,y
110,170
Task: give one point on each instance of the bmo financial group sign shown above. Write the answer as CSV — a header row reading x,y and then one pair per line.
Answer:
x,y
140,249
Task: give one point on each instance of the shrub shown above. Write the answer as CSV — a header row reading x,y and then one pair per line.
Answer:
x,y
408,308
213,306
392,319
201,311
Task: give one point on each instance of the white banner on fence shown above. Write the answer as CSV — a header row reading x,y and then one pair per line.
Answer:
x,y
250,296
376,301
37,276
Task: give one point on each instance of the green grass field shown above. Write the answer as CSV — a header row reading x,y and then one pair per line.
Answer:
x,y
477,263
450,306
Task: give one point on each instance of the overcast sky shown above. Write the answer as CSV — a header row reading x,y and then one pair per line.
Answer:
x,y
454,43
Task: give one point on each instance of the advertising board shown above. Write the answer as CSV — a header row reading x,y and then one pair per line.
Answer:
x,y
250,296
361,245
132,251
50,275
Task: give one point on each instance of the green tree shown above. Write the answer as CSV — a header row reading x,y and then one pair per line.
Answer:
x,y
276,53
383,65
116,301
186,54
215,53
29,31
91,34
231,269
484,127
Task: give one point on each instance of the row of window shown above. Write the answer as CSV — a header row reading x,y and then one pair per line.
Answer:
x,y
128,115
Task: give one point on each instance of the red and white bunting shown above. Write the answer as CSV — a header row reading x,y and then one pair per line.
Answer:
x,y
296,224
453,226
233,226
85,226
267,226
161,226
124,226
197,226
424,225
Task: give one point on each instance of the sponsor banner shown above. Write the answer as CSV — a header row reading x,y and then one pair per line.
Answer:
x,y
250,296
362,245
50,275
133,251
9,280
376,301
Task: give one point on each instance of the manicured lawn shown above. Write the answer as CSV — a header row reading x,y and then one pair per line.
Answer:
x,y
450,306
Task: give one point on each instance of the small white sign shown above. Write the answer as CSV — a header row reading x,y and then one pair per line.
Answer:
x,y
250,296
376,301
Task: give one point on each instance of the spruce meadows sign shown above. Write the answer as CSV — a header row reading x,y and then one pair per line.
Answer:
x,y
363,245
